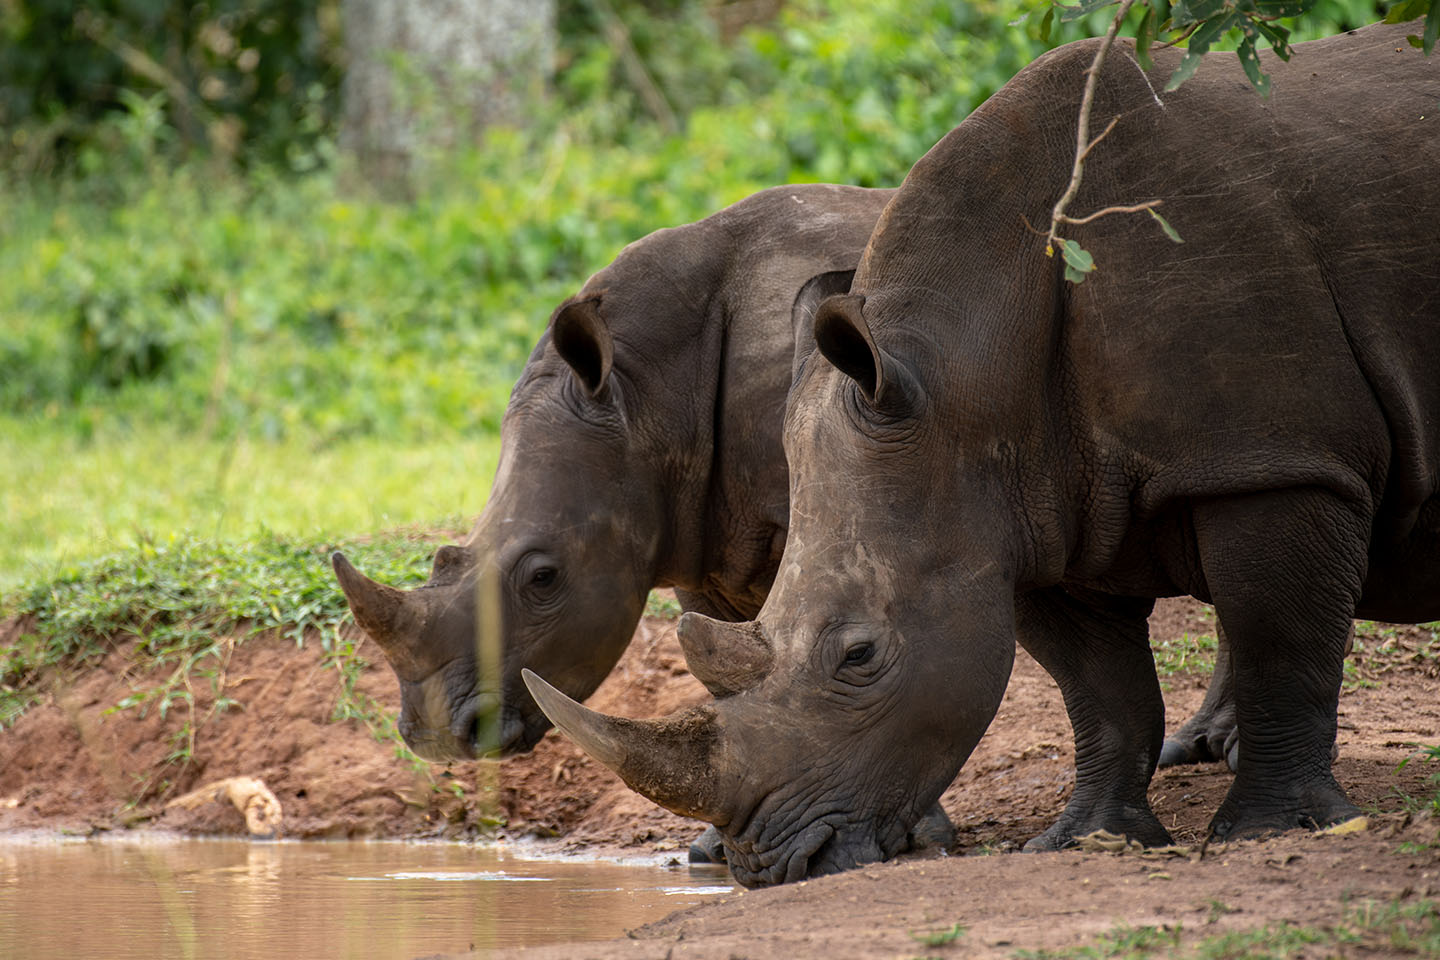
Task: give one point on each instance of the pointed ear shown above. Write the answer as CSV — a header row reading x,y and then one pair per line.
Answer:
x,y
816,289
583,341
802,312
843,337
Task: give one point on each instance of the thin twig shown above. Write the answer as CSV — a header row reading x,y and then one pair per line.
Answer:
x,y
1082,132
1180,39
1103,134
618,34
1137,208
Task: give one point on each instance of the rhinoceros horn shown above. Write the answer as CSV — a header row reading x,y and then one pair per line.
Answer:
x,y
727,657
670,761
391,617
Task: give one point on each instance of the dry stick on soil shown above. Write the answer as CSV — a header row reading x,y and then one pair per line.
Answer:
x,y
1083,143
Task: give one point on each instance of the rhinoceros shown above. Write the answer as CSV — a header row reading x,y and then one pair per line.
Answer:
x,y
641,448
980,451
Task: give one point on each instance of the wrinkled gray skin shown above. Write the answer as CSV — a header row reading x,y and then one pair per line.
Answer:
x,y
985,452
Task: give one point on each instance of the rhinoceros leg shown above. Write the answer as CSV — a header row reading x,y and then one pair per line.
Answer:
x,y
934,831
1098,650
1284,570
1211,734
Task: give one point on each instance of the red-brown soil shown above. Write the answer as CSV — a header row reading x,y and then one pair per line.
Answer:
x,y
75,763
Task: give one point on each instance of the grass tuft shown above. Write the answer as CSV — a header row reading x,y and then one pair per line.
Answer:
x,y
181,599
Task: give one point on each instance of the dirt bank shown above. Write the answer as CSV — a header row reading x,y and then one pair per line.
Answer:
x,y
76,763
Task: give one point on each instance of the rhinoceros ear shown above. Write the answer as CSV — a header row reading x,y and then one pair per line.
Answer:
x,y
843,337
583,341
807,302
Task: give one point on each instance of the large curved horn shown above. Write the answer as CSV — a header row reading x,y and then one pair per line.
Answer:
x,y
391,617
670,761
727,657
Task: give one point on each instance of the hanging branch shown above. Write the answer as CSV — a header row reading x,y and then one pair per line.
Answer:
x,y
1077,261
1201,23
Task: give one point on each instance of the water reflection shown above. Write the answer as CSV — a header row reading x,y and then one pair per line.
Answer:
x,y
134,898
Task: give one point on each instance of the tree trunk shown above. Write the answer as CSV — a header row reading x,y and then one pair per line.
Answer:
x,y
429,75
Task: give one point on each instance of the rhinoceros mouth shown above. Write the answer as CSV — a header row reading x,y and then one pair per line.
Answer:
x,y
519,734
785,862
436,746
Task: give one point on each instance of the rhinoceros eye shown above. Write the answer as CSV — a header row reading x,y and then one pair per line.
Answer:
x,y
543,577
859,653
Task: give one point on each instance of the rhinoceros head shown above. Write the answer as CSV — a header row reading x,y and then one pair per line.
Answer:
x,y
878,659
558,564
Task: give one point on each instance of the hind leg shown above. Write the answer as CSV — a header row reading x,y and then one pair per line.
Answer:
x,y
1211,733
1284,570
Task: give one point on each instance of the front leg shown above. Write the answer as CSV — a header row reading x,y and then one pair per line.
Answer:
x,y
1284,569
1097,648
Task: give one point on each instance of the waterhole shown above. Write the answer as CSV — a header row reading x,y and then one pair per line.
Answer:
x,y
235,900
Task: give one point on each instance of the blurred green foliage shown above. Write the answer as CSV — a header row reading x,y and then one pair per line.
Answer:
x,y
250,78
266,301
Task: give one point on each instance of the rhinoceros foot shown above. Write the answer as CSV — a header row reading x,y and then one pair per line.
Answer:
x,y
1247,814
1205,738
934,831
1139,825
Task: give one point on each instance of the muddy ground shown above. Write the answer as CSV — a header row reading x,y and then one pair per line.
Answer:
x,y
75,763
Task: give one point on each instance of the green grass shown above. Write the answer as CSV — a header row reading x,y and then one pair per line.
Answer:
x,y
1184,654
181,600
66,499
1368,928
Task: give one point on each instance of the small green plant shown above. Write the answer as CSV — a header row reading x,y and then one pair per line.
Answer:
x,y
1122,941
1188,653
1424,754
662,605
1218,909
939,938
1380,648
1273,940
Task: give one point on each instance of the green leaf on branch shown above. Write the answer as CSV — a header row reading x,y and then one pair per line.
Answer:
x,y
1200,42
1078,261
1279,38
1432,26
1406,10
1144,36
1045,25
1165,225
1250,62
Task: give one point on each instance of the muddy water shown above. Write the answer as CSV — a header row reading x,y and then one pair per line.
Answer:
x,y
233,900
